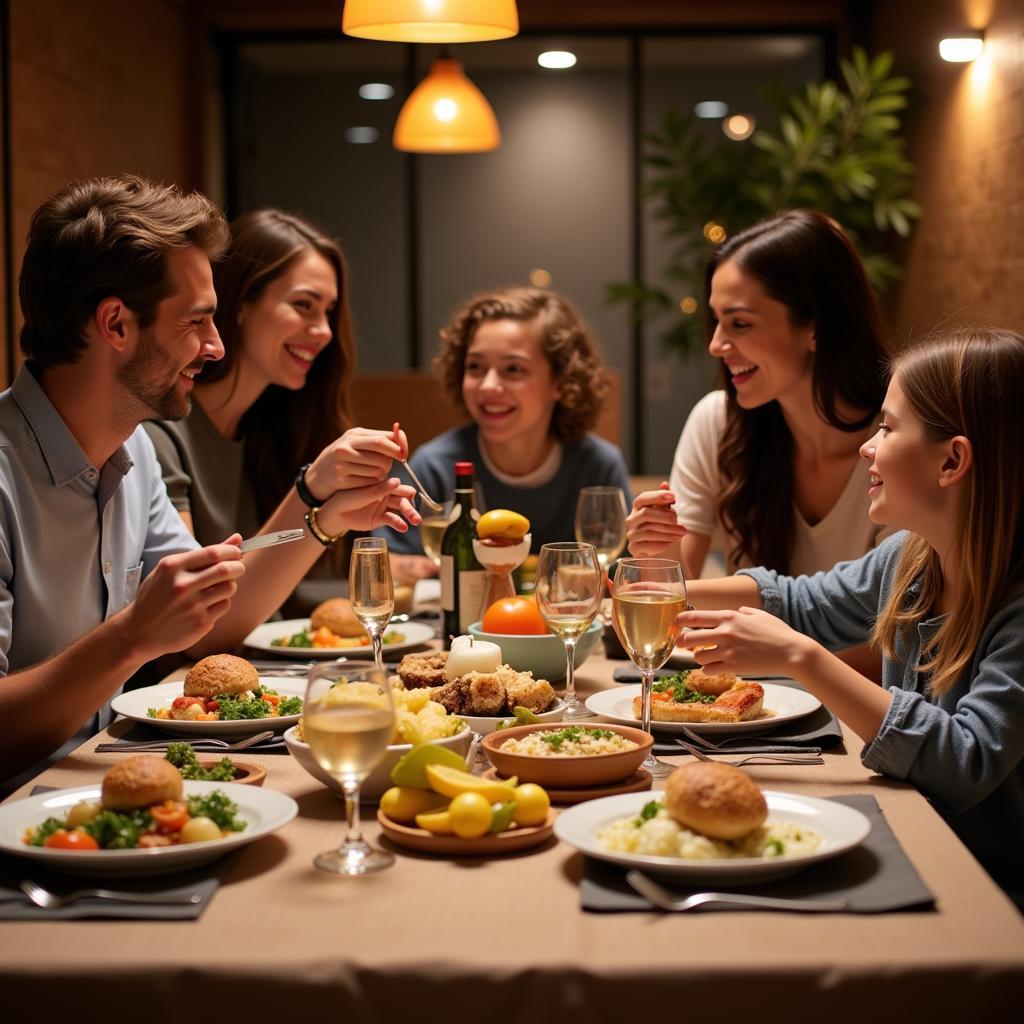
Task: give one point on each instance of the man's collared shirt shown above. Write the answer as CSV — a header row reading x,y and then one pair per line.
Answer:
x,y
75,539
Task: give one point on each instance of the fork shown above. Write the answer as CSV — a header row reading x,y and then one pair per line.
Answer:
x,y
207,742
662,898
753,758
698,740
50,900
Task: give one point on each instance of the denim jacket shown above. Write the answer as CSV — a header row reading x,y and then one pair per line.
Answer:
x,y
963,750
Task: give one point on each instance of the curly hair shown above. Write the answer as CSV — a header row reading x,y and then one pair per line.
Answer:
x,y
99,237
804,260
574,357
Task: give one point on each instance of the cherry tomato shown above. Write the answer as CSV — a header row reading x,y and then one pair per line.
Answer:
x,y
212,705
73,840
514,616
169,816
180,703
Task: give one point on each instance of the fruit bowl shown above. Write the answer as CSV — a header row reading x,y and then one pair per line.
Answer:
x,y
543,655
566,771
484,725
379,779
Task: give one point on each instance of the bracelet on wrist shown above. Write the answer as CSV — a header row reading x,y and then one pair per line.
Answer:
x,y
306,496
327,539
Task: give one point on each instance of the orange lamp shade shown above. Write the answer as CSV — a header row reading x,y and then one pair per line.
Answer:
x,y
430,21
446,113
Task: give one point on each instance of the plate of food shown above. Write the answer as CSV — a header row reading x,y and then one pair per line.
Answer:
x,y
332,631
713,824
703,703
142,819
220,696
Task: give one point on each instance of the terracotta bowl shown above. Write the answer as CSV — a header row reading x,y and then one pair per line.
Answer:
x,y
246,772
564,771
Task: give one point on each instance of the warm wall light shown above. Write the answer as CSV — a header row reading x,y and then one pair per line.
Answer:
x,y
557,60
446,113
430,21
962,47
739,127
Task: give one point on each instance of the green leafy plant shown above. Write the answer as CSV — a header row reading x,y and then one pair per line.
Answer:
x,y
837,149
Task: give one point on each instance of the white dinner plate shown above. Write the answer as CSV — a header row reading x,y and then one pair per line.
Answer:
x,y
841,829
260,638
264,810
135,704
783,702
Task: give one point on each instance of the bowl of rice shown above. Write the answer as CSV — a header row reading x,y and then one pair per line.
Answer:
x,y
568,756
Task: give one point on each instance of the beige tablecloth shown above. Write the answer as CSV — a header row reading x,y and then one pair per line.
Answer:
x,y
473,940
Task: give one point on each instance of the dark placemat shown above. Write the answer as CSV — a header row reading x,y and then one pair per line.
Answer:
x,y
140,733
15,906
876,877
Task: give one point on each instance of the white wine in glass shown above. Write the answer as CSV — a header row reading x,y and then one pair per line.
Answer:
x,y
570,586
371,590
601,521
647,596
432,530
348,720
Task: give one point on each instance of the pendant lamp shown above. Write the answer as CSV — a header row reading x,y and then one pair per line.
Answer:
x,y
446,113
430,21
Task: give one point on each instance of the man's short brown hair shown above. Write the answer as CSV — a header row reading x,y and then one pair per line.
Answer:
x,y
99,238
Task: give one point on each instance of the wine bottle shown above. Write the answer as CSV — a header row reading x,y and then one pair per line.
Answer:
x,y
463,578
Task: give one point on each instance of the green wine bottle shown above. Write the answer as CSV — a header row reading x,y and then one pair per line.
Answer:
x,y
463,578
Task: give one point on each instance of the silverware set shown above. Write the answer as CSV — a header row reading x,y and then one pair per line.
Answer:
x,y
763,759
210,743
50,900
666,900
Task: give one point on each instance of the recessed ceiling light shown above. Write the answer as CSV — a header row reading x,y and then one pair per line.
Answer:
x,y
376,91
711,109
361,134
556,60
965,46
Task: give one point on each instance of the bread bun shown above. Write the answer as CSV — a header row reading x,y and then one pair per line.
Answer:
x,y
140,781
220,675
336,614
715,799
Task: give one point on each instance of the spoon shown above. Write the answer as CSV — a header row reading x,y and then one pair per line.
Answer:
x,y
434,506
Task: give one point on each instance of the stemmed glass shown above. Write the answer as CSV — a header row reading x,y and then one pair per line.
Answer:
x,y
371,590
647,595
601,521
570,585
347,720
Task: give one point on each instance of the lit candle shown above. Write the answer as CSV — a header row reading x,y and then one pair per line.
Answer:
x,y
471,655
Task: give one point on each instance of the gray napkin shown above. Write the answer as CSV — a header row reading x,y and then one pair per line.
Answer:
x,y
139,733
876,877
15,905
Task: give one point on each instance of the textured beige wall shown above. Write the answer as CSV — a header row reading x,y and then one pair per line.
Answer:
x,y
965,262
96,87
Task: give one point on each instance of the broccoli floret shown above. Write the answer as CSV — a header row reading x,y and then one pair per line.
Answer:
x,y
43,832
290,706
113,831
218,808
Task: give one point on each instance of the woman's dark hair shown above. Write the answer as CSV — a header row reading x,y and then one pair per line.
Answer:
x,y
804,260
283,429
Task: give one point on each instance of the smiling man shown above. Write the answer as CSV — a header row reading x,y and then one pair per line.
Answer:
x,y
98,574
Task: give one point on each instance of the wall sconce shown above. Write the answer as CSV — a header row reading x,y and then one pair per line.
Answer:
x,y
446,113
430,21
965,45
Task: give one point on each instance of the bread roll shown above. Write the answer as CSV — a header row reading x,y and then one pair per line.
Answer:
x,y
336,614
715,799
140,781
220,675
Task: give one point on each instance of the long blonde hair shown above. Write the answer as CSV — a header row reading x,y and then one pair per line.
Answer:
x,y
969,383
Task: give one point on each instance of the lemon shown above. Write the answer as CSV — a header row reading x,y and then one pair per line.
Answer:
x,y
453,782
532,804
470,815
409,770
502,523
404,803
438,822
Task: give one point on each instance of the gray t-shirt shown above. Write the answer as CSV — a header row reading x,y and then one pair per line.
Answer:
x,y
205,476
963,750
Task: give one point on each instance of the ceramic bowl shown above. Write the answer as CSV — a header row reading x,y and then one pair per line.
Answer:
x,y
542,655
247,773
379,779
565,771
484,725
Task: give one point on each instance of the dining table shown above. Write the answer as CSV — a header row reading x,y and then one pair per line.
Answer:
x,y
452,938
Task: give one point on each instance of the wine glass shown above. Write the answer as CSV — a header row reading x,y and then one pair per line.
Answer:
x,y
570,585
348,718
601,521
371,590
432,530
647,595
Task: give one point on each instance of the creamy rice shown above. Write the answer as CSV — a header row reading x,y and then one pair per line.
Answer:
x,y
572,741
662,836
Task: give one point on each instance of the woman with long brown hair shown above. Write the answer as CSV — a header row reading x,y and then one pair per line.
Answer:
x,y
273,414
767,470
944,602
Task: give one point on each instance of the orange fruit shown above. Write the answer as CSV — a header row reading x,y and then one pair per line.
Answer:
x,y
514,616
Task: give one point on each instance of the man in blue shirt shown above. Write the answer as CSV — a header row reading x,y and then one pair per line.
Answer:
x,y
98,574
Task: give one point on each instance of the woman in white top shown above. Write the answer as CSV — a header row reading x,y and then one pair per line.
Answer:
x,y
768,468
